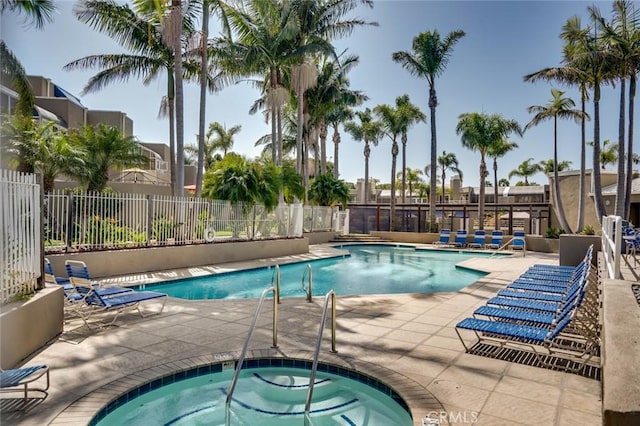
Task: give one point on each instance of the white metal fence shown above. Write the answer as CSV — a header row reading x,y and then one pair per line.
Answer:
x,y
20,255
612,244
77,222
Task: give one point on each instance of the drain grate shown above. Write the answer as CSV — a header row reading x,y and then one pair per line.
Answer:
x,y
636,291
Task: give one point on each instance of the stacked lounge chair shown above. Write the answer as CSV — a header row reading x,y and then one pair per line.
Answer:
x,y
496,240
107,299
445,234
552,319
461,238
478,239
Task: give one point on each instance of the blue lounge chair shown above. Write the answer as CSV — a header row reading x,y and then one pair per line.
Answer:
x,y
50,277
518,242
21,378
79,276
496,240
461,238
478,239
117,303
445,234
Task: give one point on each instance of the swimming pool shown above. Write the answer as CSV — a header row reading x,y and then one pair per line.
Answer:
x,y
365,269
273,395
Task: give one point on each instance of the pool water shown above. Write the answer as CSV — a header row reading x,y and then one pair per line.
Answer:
x,y
263,396
367,269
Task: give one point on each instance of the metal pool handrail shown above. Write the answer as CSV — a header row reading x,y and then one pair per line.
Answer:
x,y
330,295
252,327
308,291
276,278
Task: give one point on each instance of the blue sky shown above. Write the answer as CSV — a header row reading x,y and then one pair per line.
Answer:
x,y
504,41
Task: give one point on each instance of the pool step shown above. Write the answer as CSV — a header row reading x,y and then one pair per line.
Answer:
x,y
290,387
357,238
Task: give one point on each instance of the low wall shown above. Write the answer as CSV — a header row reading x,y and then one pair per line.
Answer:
x,y
319,237
406,237
27,326
620,354
125,262
574,247
541,244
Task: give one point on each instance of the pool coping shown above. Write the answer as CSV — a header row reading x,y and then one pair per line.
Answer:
x,y
418,399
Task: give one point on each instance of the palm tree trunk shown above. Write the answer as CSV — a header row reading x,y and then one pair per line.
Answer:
x,y
483,177
627,190
300,127
495,192
176,8
172,139
433,102
272,107
367,153
621,181
597,178
556,184
583,162
323,147
336,144
392,213
404,165
203,95
279,128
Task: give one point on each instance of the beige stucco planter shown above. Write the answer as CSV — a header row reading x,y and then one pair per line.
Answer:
x,y
542,244
27,326
574,246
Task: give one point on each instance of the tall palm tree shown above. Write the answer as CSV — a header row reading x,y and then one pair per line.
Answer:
x,y
559,107
447,161
622,34
141,33
104,148
478,133
220,137
526,169
392,124
428,59
588,54
368,131
409,115
549,166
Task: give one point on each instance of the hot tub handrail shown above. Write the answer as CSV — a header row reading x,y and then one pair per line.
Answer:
x,y
308,291
331,295
252,327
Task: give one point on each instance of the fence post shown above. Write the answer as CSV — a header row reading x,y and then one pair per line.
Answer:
x,y
70,230
149,229
40,282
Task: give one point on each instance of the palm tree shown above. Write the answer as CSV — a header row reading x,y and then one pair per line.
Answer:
x,y
572,75
413,179
447,161
526,169
558,107
368,131
393,124
608,153
503,182
141,33
428,59
478,133
549,166
409,115
38,12
498,149
104,148
326,190
220,138
210,155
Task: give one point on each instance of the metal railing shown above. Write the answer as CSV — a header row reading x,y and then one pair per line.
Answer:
x,y
275,281
80,222
20,238
308,273
612,244
243,354
331,295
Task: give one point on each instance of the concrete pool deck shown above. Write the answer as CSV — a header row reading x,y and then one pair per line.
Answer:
x,y
407,341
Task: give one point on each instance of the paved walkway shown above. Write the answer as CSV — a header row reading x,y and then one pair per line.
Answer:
x,y
405,340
